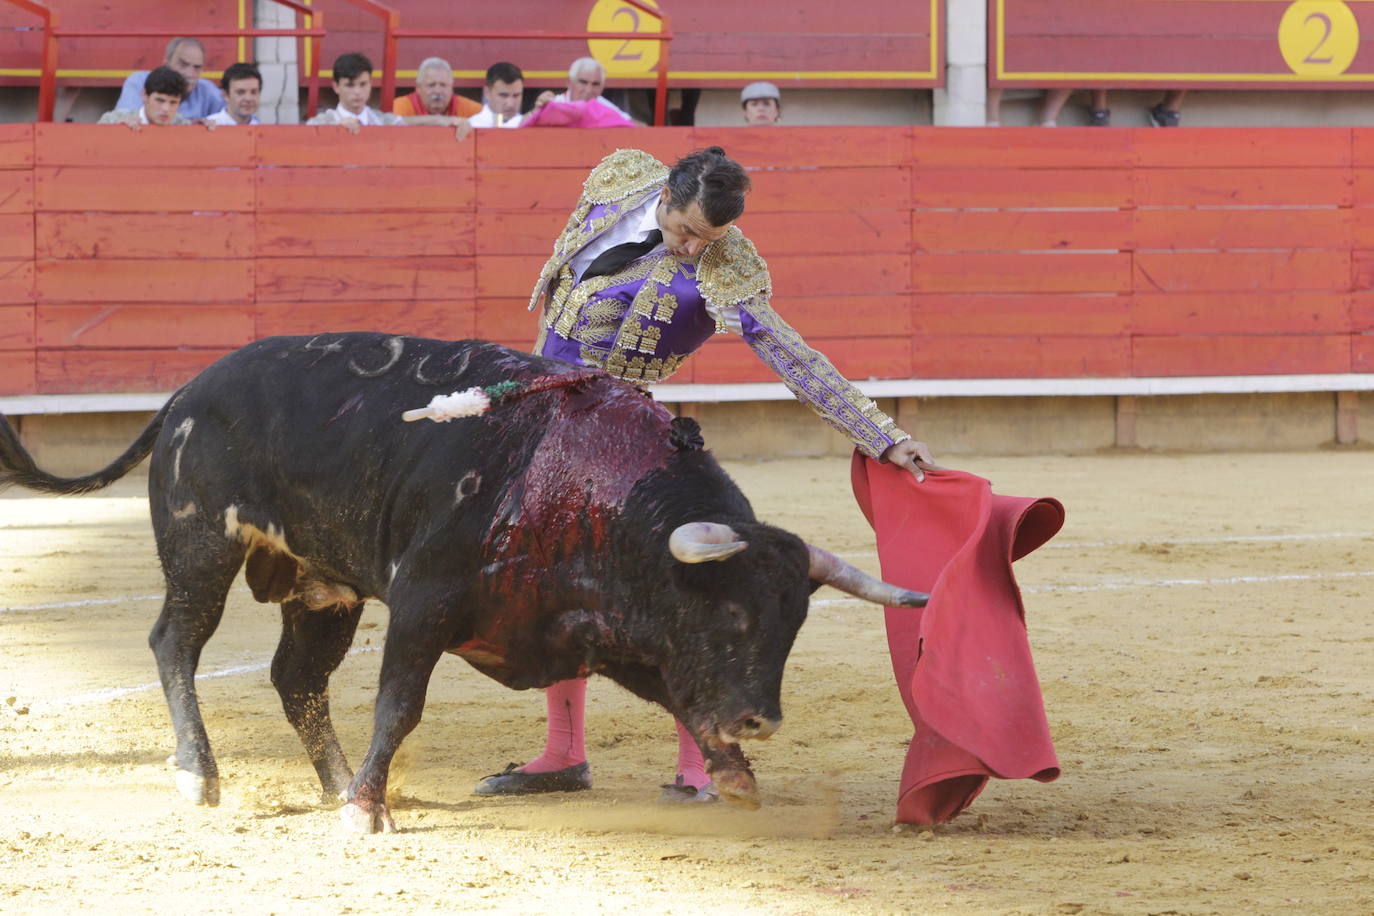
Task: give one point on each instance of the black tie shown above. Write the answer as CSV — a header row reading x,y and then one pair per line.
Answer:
x,y
617,256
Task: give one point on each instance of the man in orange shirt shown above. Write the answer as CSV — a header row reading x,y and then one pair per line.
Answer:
x,y
434,102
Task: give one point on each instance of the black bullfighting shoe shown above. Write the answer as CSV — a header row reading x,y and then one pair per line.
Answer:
x,y
680,794
511,781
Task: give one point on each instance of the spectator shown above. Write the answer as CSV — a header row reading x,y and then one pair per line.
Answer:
x,y
163,91
586,81
762,104
1166,113
505,88
242,88
187,57
353,86
1098,113
434,102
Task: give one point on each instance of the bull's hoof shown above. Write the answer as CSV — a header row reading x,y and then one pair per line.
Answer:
x,y
738,788
360,821
198,790
680,794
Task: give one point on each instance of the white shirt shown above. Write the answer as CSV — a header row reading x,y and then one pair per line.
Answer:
x,y
563,97
487,118
226,119
370,117
635,226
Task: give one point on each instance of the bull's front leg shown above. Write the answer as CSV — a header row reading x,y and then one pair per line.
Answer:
x,y
729,769
725,763
413,646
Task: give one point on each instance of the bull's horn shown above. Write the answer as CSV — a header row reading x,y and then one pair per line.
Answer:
x,y
700,542
830,569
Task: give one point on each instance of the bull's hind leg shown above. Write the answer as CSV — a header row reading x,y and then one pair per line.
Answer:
x,y
198,581
313,643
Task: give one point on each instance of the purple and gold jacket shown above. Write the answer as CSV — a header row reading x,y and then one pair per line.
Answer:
x,y
642,323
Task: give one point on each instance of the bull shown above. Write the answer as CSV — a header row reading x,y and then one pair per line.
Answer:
x,y
575,527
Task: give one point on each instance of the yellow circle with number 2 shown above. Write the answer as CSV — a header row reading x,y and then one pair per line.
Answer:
x,y
627,56
1318,37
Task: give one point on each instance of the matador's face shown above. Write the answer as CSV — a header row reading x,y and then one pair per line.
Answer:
x,y
686,232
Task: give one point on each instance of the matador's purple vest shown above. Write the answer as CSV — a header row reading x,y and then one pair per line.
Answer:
x,y
642,322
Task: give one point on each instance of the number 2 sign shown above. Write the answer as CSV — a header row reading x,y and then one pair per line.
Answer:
x,y
1318,37
628,57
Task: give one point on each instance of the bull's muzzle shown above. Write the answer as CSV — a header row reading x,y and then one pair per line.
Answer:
x,y
748,728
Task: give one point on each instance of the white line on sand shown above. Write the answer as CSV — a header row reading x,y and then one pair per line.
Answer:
x,y
1153,583
85,602
1172,583
1237,539
114,693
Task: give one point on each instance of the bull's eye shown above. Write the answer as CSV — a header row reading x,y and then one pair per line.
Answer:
x,y
738,616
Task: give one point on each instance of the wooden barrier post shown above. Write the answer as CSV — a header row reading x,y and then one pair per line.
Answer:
x,y
1347,417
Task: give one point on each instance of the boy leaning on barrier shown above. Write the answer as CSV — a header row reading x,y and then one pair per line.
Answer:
x,y
162,94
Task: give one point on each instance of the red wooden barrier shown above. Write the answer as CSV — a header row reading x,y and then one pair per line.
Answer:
x,y
128,261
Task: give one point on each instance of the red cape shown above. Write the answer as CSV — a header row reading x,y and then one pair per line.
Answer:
x,y
963,663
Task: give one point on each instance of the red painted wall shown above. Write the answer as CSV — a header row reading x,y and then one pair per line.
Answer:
x,y
1178,44
804,43
128,261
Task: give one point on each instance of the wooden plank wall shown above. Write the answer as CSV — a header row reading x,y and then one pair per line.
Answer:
x,y
131,260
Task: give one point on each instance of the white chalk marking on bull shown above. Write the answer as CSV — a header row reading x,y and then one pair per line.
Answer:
x,y
450,375
445,407
467,486
251,534
183,433
333,346
395,346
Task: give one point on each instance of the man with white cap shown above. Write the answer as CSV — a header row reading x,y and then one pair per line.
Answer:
x,y
762,104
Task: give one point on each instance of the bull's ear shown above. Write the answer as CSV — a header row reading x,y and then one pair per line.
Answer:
x,y
685,434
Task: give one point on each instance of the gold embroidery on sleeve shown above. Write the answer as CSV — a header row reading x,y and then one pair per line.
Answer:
x,y
817,383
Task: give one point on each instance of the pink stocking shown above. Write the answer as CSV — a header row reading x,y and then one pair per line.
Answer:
x,y
565,745
690,765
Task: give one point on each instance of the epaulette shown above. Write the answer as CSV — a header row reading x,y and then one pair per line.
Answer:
x,y
622,173
731,271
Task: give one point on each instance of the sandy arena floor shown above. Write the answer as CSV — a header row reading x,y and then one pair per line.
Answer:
x,y
1203,628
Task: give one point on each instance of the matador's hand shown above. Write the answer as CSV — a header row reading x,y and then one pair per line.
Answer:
x,y
912,455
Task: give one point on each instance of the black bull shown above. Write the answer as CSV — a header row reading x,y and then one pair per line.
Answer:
x,y
575,528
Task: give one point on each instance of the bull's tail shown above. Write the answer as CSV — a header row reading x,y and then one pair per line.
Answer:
x,y
17,465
